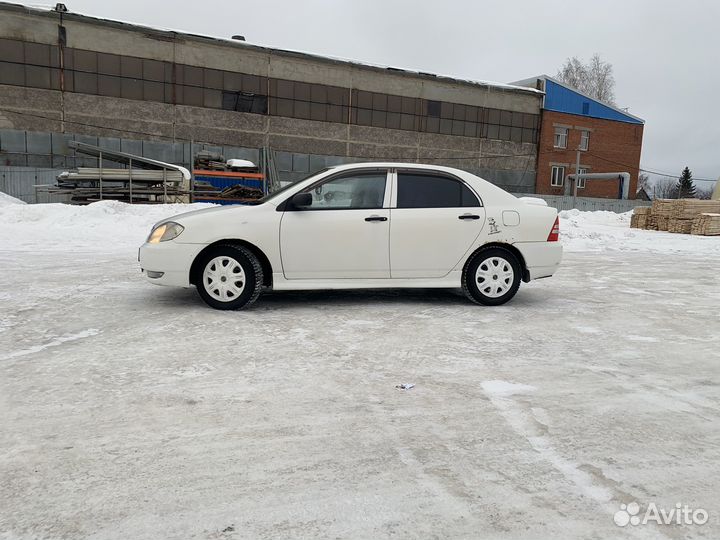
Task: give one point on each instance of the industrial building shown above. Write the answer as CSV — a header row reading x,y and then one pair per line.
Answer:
x,y
609,139
165,95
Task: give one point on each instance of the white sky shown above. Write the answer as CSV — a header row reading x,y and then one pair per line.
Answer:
x,y
664,53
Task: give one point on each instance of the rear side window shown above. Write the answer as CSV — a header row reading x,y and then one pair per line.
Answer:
x,y
431,191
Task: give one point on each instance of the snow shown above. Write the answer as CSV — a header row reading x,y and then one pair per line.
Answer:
x,y
7,200
103,226
116,226
133,411
604,231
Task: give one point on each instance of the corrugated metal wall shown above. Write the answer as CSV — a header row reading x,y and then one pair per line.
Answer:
x,y
20,182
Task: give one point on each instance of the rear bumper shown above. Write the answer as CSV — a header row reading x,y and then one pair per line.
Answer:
x,y
171,259
542,259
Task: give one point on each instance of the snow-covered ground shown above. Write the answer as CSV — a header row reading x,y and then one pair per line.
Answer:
x,y
133,411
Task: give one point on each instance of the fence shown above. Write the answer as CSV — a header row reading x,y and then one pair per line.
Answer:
x,y
587,203
20,181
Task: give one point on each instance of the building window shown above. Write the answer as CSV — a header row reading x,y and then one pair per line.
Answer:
x,y
584,140
561,136
244,102
557,177
581,181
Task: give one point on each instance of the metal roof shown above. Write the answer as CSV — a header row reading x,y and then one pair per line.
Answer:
x,y
602,105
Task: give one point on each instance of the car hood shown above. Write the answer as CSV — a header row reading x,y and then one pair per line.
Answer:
x,y
185,216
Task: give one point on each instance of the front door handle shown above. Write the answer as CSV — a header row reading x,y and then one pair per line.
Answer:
x,y
376,218
469,216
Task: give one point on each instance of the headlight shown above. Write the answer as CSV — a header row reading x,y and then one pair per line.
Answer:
x,y
164,232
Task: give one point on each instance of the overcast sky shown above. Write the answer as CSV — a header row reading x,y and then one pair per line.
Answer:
x,y
665,54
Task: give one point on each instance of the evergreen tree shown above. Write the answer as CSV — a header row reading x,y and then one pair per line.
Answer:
x,y
685,187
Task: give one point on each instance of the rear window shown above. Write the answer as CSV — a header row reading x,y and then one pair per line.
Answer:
x,y
433,191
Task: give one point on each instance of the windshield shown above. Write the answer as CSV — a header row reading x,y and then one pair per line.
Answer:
x,y
271,196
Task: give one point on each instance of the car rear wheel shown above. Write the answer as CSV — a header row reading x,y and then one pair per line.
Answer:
x,y
228,276
492,277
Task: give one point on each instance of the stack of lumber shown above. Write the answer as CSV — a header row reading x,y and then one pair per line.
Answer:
x,y
691,208
679,225
686,216
684,211
639,218
707,224
661,209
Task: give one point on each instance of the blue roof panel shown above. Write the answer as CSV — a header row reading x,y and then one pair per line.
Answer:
x,y
562,99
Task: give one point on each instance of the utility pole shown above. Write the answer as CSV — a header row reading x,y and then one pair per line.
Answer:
x,y
577,173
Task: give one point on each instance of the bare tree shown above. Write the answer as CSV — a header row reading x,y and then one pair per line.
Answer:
x,y
594,78
644,183
665,188
703,192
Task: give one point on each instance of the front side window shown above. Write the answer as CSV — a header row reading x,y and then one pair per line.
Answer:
x,y
557,176
581,181
352,192
431,191
561,135
584,140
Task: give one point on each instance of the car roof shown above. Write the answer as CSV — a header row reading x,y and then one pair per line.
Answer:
x,y
396,165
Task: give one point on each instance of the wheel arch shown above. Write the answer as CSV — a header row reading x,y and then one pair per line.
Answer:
x,y
261,257
509,247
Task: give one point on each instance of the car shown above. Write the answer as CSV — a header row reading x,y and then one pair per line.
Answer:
x,y
365,225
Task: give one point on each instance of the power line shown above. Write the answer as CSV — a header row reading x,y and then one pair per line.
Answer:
x,y
625,165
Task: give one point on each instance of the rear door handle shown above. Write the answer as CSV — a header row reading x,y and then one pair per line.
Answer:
x,y
376,218
469,216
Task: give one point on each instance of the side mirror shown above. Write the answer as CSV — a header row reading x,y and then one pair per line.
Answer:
x,y
301,200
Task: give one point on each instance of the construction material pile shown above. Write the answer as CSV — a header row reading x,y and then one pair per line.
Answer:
x,y
85,185
686,216
706,224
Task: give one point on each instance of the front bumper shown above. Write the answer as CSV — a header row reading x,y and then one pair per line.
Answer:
x,y
172,259
542,259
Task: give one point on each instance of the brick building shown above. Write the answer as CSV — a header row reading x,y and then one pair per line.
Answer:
x,y
609,140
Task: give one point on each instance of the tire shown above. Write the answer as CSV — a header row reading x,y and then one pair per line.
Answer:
x,y
492,277
228,276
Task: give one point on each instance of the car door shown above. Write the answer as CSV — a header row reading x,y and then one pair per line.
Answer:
x,y
434,221
344,233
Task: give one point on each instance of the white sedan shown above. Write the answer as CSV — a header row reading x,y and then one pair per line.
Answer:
x,y
367,225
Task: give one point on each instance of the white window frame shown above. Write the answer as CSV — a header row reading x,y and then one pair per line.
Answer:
x,y
554,176
581,181
584,140
561,137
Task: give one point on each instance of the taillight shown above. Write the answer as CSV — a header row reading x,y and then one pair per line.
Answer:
x,y
554,235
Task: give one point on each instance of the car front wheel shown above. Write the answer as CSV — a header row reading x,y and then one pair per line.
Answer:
x,y
492,277
228,276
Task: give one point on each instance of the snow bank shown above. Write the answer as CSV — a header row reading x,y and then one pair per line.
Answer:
x,y
6,200
115,226
608,231
101,226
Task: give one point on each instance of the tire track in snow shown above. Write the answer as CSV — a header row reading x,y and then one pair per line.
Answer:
x,y
525,423
54,343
